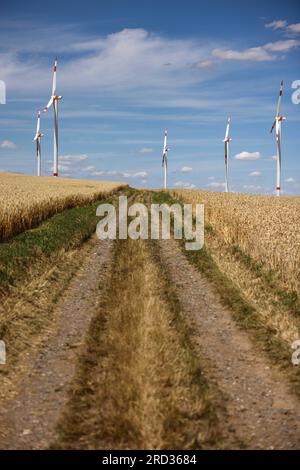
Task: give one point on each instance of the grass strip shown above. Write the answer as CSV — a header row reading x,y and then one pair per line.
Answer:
x,y
61,232
138,383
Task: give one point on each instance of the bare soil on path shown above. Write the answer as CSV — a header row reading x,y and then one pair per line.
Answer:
x,y
261,409
28,420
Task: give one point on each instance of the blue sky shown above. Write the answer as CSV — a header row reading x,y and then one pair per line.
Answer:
x,y
129,69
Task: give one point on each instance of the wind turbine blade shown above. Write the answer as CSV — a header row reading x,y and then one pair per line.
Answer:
x,y
226,133
279,100
274,124
227,129
38,122
165,148
37,126
165,141
49,104
54,78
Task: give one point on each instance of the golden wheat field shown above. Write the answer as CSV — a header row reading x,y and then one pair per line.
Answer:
x,y
264,227
27,200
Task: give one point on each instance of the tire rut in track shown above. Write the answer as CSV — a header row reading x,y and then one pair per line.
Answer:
x,y
261,409
29,419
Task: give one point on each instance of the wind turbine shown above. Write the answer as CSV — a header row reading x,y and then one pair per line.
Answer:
x,y
165,158
277,124
54,100
37,139
227,141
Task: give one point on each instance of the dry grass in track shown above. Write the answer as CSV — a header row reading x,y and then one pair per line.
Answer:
x,y
139,385
27,200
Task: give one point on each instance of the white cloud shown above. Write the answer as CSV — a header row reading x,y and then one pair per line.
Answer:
x,y
255,173
248,156
73,158
139,174
146,150
120,174
216,184
258,54
289,180
204,64
89,168
294,28
282,46
186,169
133,59
184,185
211,178
277,24
283,24
62,168
252,186
7,144
271,159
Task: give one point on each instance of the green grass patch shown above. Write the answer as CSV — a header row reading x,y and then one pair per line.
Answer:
x,y
289,299
163,197
64,231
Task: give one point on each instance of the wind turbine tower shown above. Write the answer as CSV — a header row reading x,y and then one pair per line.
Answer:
x,y
54,101
277,124
37,139
227,141
165,158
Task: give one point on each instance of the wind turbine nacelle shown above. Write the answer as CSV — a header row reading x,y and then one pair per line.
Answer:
x,y
57,97
38,136
227,140
281,118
